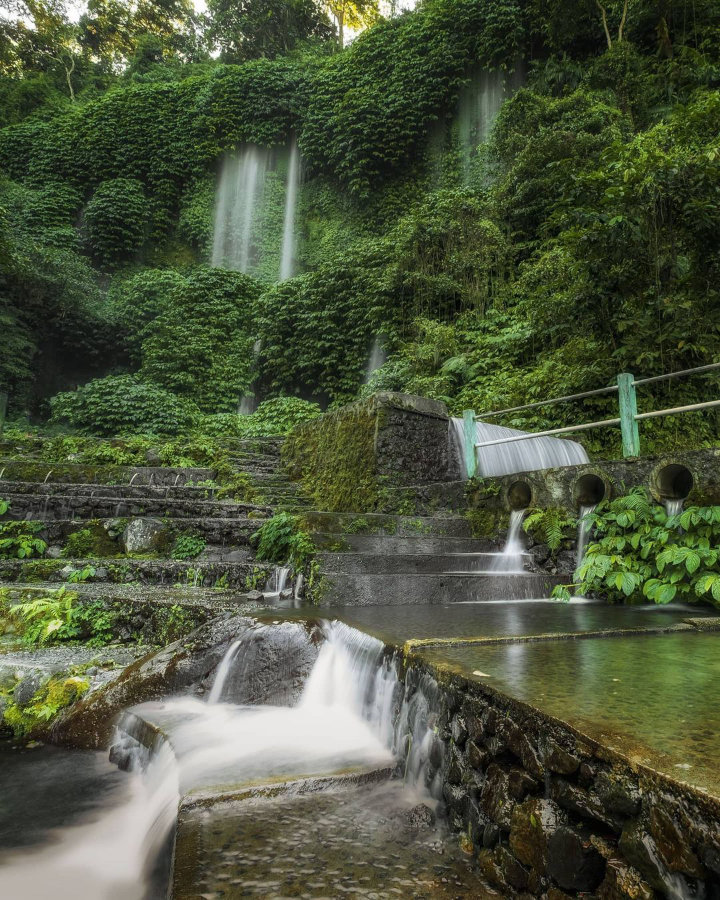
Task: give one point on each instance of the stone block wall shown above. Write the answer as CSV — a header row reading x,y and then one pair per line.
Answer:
x,y
351,459
550,813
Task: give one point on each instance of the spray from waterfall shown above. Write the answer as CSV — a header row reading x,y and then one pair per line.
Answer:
x,y
287,256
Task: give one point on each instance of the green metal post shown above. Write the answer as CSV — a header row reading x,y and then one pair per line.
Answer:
x,y
469,430
3,411
628,415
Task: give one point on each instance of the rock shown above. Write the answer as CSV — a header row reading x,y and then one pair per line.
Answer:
x,y
521,784
420,816
459,731
153,458
617,794
639,849
101,574
559,760
114,527
474,727
141,535
540,554
455,767
255,596
278,660
476,757
27,687
533,823
54,552
491,835
495,799
583,804
565,562
489,868
623,882
513,872
519,743
673,847
573,862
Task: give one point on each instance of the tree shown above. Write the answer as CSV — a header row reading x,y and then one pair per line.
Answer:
x,y
251,29
41,33
353,14
621,26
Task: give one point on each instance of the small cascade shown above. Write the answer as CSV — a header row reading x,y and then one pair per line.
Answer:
x,y
287,256
378,358
238,204
673,506
518,456
583,536
222,672
416,742
278,580
511,558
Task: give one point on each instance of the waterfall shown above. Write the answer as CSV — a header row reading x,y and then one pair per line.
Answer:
x,y
511,558
480,102
673,506
518,456
223,672
584,526
237,208
246,406
378,358
278,580
287,257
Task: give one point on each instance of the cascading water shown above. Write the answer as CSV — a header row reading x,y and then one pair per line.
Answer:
x,y
278,580
378,358
480,102
583,536
673,507
511,559
518,456
287,257
237,208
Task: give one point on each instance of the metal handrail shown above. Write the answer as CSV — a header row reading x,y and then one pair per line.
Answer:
x,y
604,390
627,420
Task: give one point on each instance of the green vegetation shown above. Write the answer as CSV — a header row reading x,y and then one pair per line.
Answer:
x,y
18,539
579,240
187,546
552,526
283,540
639,553
56,694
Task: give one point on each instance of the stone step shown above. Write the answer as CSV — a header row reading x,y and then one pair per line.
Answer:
x,y
192,573
422,564
226,532
166,595
376,590
384,544
119,491
81,473
392,525
67,506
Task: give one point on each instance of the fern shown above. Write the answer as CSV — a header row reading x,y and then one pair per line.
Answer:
x,y
551,526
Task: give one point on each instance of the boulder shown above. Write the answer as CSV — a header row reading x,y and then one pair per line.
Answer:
x,y
533,823
141,535
573,862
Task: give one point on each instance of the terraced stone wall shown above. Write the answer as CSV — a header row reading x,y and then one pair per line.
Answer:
x,y
548,812
351,458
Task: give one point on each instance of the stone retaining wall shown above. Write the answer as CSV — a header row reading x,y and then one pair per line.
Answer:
x,y
548,812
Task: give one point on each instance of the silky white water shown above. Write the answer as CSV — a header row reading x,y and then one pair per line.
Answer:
x,y
287,256
238,204
378,358
583,536
511,558
345,720
518,456
673,507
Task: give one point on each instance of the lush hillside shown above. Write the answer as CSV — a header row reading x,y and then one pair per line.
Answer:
x,y
582,239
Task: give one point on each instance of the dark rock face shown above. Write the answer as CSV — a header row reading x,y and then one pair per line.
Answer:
x,y
573,862
174,669
553,815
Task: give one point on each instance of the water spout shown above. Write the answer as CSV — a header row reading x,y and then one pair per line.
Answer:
x,y
136,475
584,526
47,476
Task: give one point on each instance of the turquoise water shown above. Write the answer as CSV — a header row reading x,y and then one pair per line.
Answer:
x,y
654,698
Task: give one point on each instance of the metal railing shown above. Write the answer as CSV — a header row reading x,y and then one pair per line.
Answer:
x,y
627,420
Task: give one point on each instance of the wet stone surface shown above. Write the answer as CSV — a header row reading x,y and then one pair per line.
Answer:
x,y
370,842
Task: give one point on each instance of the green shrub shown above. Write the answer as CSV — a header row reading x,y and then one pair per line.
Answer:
x,y
18,539
187,546
58,618
122,404
278,416
640,553
115,220
282,540
550,526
